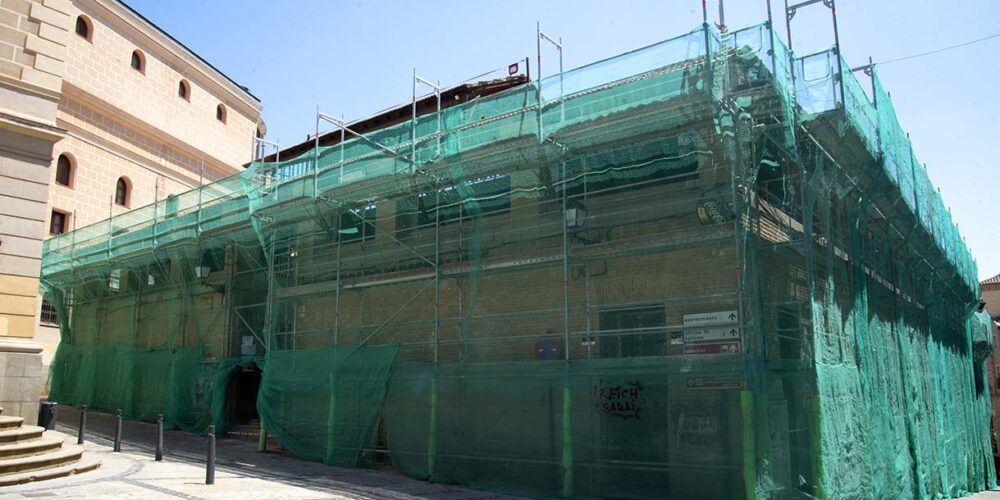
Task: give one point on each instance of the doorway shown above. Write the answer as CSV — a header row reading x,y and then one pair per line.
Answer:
x,y
242,391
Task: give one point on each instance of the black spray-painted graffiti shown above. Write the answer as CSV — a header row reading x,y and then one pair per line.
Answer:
x,y
623,400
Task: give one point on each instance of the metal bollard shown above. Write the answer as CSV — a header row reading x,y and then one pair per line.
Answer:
x,y
210,466
159,437
83,424
118,431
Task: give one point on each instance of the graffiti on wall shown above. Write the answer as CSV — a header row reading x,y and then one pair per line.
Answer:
x,y
625,401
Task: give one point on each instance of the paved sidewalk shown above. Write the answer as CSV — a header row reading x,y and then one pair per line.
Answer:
x,y
241,472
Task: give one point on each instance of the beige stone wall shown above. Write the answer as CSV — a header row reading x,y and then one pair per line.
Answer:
x,y
97,169
121,122
32,45
32,48
100,67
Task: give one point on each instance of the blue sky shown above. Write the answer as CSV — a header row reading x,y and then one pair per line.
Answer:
x,y
354,58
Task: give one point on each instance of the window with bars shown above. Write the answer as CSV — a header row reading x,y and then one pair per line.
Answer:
x,y
49,316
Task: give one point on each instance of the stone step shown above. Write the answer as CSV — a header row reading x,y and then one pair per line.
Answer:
x,y
43,444
55,458
10,422
22,433
83,465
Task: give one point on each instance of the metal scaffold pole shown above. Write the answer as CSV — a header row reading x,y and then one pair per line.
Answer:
x,y
201,188
432,431
336,313
832,4
156,207
437,94
557,43
413,123
709,76
538,83
316,156
433,437
567,410
790,11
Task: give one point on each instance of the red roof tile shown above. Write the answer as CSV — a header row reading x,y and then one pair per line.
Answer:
x,y
991,281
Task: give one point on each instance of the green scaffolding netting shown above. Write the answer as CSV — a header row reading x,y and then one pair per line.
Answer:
x,y
706,268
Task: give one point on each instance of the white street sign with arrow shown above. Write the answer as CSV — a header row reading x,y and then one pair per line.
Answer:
x,y
711,318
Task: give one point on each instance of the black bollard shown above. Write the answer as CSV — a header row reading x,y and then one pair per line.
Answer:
x,y
159,437
118,431
210,465
83,424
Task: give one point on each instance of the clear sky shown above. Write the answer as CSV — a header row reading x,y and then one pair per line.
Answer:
x,y
354,58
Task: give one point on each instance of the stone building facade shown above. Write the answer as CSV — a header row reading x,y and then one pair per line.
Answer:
x,y
990,289
32,51
127,115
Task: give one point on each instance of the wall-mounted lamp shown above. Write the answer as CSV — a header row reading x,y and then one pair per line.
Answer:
x,y
202,272
575,216
293,252
150,280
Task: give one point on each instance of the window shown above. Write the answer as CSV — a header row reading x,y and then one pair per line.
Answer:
x,y
220,113
49,316
483,196
58,222
138,61
83,27
122,189
64,170
357,224
115,280
184,90
633,332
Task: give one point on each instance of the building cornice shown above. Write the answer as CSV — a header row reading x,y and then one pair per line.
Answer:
x,y
29,88
99,106
114,11
31,128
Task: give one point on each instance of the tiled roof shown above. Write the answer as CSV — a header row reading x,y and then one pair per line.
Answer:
x,y
991,281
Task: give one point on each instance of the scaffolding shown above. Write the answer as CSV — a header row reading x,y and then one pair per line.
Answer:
x,y
704,268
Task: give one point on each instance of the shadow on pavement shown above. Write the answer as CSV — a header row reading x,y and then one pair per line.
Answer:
x,y
240,457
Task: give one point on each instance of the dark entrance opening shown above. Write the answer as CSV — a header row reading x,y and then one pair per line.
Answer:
x,y
243,418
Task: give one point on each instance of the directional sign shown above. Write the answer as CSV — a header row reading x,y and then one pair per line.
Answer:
x,y
712,348
715,382
712,334
711,318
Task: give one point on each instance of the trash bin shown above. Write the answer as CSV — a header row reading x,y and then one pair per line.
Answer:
x,y
47,414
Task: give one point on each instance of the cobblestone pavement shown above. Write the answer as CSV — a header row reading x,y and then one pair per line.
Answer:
x,y
241,472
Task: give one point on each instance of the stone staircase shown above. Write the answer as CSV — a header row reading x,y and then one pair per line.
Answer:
x,y
29,453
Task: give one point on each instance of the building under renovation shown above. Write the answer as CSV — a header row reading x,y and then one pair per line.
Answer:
x,y
707,268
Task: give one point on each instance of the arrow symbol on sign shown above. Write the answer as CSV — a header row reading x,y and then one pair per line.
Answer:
x,y
732,316
733,332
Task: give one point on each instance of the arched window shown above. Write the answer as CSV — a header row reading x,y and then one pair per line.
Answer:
x,y
220,113
84,28
184,90
64,170
138,61
122,189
